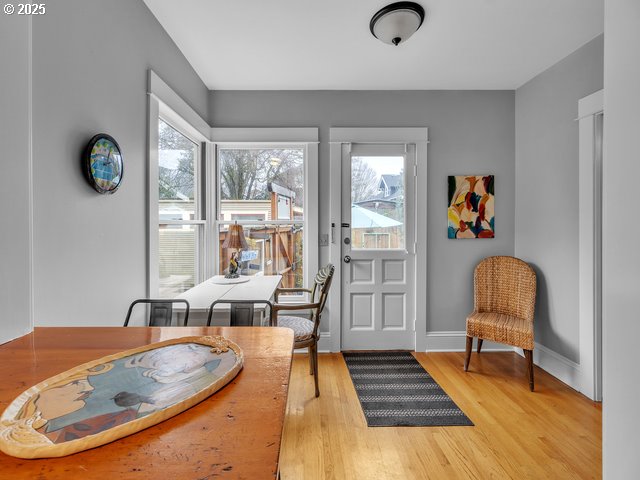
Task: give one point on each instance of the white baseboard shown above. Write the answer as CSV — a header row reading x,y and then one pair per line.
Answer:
x,y
555,364
324,344
434,341
552,362
455,341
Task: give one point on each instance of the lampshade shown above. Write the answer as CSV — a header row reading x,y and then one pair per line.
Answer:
x,y
395,23
235,238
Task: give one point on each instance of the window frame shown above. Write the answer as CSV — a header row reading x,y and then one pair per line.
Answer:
x,y
169,117
391,150
165,104
258,138
163,99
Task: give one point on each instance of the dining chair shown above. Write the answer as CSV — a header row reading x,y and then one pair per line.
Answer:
x,y
241,312
504,297
305,330
160,311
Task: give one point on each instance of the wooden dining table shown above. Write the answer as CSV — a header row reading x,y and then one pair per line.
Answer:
x,y
235,433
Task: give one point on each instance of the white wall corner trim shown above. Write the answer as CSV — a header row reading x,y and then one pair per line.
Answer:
x,y
555,364
16,137
30,171
590,245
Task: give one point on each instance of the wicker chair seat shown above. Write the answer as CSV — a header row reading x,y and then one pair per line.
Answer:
x,y
501,328
302,328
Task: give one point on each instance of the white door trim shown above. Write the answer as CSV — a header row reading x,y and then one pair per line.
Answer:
x,y
590,231
342,138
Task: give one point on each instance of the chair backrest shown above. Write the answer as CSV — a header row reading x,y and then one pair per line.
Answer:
x,y
505,285
241,313
160,311
320,290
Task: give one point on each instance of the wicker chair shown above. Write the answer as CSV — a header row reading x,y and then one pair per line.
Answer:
x,y
305,331
504,299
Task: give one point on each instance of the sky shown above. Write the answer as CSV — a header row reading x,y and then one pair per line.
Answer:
x,y
385,165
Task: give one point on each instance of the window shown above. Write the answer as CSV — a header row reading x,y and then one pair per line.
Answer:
x,y
377,202
178,140
266,179
263,189
194,196
180,223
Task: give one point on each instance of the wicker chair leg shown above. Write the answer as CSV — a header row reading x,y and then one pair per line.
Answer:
x,y
529,356
310,359
315,368
479,344
467,356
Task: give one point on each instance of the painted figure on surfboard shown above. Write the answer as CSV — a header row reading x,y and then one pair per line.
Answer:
x,y
94,400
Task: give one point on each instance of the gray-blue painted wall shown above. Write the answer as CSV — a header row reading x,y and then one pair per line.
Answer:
x,y
547,189
90,251
471,132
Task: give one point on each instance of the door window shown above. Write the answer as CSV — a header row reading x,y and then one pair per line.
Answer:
x,y
377,202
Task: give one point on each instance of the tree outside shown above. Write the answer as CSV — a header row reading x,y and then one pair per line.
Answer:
x,y
364,180
245,173
177,156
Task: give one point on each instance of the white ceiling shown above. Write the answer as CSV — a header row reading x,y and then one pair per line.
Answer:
x,y
326,44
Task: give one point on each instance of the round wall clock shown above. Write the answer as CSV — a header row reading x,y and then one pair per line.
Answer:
x,y
103,163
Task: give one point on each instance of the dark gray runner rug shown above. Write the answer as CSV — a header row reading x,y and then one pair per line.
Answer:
x,y
394,390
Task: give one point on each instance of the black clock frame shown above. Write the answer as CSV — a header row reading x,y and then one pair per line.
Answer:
x,y
86,163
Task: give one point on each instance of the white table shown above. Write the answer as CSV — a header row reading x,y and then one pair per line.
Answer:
x,y
200,297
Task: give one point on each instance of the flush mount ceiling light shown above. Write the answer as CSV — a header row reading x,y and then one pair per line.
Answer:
x,y
395,23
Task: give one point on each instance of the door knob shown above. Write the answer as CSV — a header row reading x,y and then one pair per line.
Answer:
x,y
347,259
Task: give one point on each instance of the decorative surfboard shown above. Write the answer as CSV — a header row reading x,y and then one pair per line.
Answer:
x,y
117,395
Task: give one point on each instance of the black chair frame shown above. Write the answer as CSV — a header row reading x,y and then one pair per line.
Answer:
x,y
242,311
162,307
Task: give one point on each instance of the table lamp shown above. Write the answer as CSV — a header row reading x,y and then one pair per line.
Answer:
x,y
236,241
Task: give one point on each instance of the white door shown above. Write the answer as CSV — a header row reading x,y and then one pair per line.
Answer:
x,y
378,246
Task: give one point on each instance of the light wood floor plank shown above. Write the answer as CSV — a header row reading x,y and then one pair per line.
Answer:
x,y
552,433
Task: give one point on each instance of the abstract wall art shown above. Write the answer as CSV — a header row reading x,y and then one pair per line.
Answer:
x,y
471,200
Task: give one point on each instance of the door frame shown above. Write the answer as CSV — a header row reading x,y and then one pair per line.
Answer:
x,y
590,247
339,139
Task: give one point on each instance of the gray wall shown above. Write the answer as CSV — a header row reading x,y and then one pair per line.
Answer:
x,y
621,256
547,189
90,249
471,132
15,191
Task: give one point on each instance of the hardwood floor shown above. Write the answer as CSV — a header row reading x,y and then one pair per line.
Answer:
x,y
553,432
